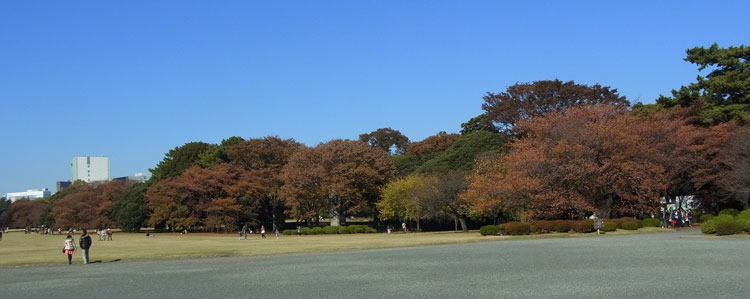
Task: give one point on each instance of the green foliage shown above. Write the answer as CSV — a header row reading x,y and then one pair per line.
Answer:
x,y
131,210
732,212
609,226
387,139
289,232
622,220
307,231
724,93
729,227
583,226
744,214
630,225
461,154
178,159
406,164
478,123
399,200
331,230
489,230
516,228
651,222
4,212
317,231
709,227
706,217
216,154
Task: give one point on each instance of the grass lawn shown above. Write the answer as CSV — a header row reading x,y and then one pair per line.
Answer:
x,y
17,249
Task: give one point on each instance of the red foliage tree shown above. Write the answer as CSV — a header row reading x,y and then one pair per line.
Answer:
x,y
90,206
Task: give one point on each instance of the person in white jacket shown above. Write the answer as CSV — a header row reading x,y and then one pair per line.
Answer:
x,y
70,248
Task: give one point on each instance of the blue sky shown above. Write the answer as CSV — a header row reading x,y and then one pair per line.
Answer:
x,y
133,79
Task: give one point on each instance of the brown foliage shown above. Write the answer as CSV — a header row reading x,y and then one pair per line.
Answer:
x,y
26,212
339,177
524,101
197,194
432,144
90,206
591,159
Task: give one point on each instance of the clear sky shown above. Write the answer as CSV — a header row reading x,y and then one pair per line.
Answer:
x,y
133,79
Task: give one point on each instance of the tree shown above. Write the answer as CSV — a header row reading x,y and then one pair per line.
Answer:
x,y
478,123
400,199
26,212
387,139
524,101
263,160
187,201
441,196
89,207
216,154
461,154
731,178
177,160
724,93
432,144
131,210
4,212
571,164
338,178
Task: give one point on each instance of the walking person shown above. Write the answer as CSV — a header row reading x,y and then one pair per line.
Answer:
x,y
85,243
243,232
276,231
70,248
262,232
109,234
598,223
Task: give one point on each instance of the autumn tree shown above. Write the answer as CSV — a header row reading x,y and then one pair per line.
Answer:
x,y
524,101
337,178
178,159
387,139
263,160
401,201
730,182
89,207
4,212
204,198
26,212
571,164
441,196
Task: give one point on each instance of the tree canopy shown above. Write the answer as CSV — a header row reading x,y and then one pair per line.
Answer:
x,y
387,139
178,159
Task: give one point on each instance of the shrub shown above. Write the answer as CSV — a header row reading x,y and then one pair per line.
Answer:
x,y
733,212
317,230
306,231
705,218
584,226
289,232
543,226
696,214
563,226
729,227
516,228
489,230
357,229
331,230
630,225
609,226
370,230
622,220
744,214
651,222
745,223
709,227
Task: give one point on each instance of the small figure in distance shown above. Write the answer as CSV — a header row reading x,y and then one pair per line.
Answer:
x,y
598,223
262,231
69,248
243,232
109,234
403,226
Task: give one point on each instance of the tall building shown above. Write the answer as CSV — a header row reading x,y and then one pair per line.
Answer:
x,y
62,185
90,168
30,194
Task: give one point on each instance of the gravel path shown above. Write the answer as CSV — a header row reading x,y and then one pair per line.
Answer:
x,y
681,264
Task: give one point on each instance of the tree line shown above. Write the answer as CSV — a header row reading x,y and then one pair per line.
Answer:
x,y
547,149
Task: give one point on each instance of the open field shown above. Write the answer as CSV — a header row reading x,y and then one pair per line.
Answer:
x,y
612,266
17,249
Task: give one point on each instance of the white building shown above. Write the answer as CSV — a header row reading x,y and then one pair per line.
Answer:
x,y
90,169
30,194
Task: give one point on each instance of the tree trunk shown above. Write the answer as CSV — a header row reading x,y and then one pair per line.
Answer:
x,y
464,228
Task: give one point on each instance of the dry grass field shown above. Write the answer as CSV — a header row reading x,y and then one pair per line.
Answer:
x,y
18,249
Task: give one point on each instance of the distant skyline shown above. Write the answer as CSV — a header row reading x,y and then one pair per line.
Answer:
x,y
132,80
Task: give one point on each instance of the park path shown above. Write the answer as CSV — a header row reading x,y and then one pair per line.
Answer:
x,y
683,264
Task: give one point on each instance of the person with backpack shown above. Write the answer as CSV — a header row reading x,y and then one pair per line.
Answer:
x,y
85,243
69,248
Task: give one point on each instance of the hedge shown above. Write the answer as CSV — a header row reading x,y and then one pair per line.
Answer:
x,y
709,227
489,230
289,232
516,228
706,217
349,229
651,222
584,226
630,225
609,226
730,227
